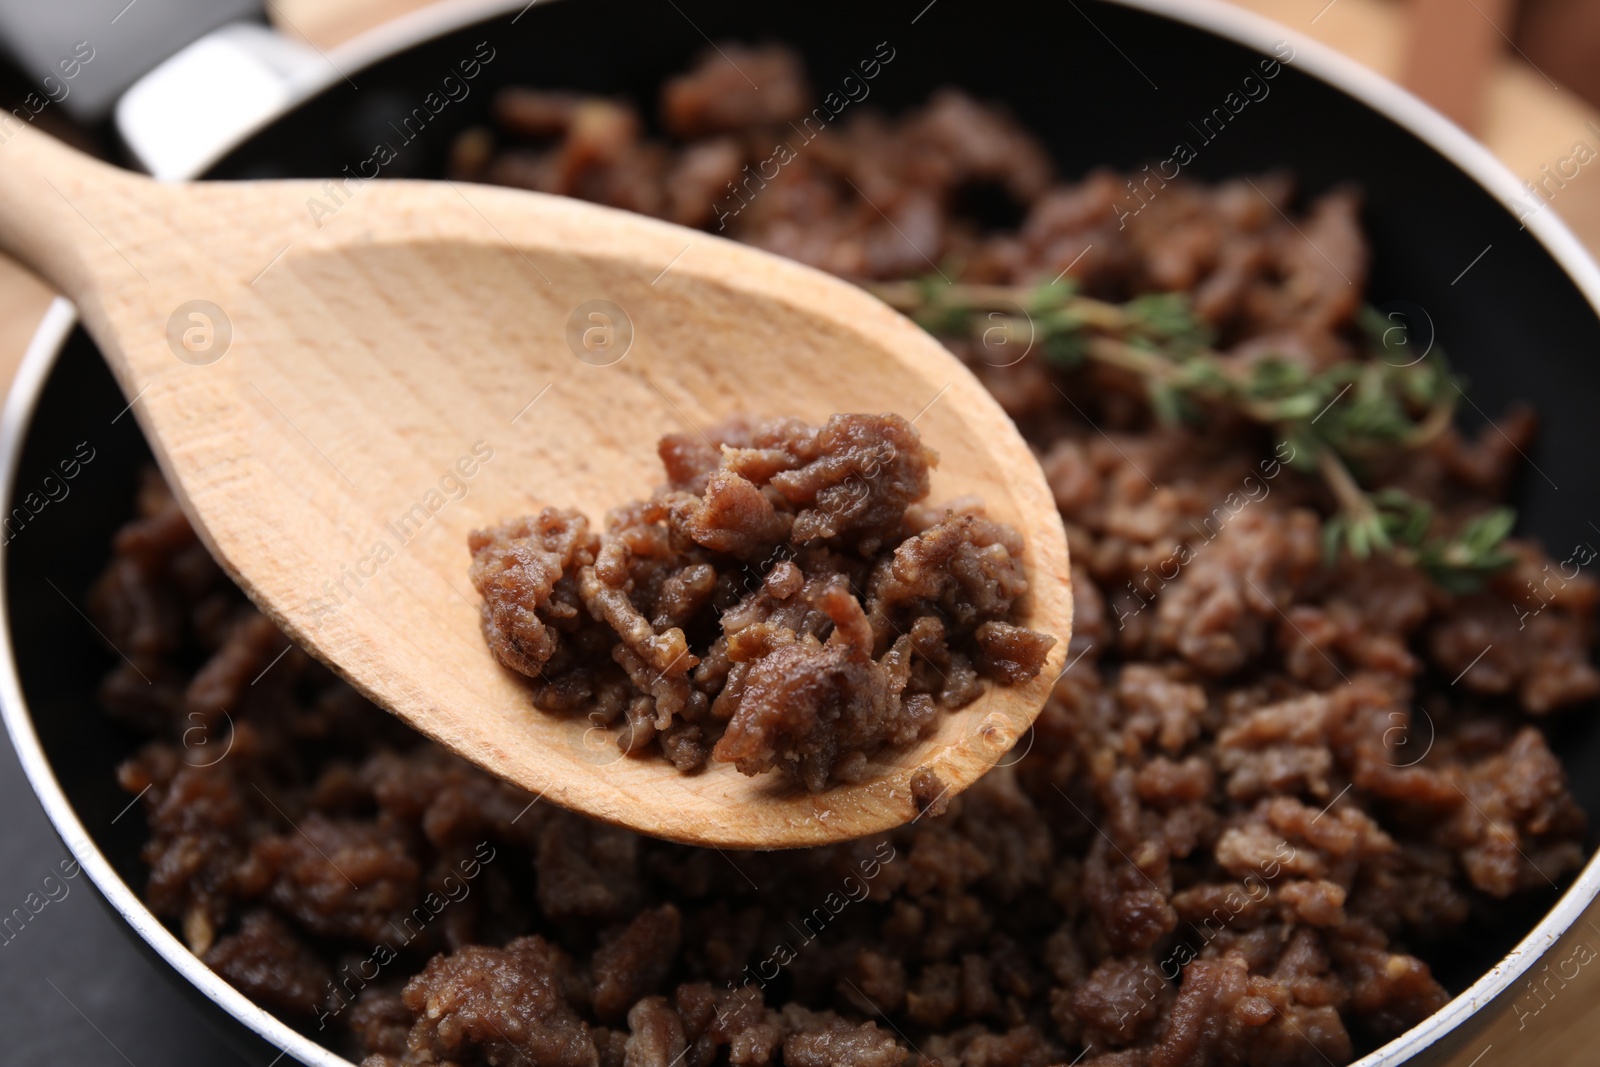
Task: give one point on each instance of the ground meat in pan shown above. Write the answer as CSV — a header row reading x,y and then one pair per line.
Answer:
x,y
1249,815
785,602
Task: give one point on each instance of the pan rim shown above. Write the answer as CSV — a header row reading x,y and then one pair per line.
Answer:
x,y
1213,16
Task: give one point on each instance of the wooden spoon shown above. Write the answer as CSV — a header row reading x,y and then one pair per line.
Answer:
x,y
340,380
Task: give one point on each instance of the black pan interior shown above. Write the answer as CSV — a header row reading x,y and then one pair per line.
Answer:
x,y
1103,85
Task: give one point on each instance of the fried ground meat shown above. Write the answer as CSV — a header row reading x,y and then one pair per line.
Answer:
x,y
1252,811
503,1003
526,571
267,961
834,606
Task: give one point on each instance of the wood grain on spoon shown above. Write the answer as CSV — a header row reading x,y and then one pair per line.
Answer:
x,y
355,396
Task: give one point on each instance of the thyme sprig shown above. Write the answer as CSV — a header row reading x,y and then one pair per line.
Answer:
x,y
1351,412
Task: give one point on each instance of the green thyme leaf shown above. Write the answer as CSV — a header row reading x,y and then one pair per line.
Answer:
x,y
1396,398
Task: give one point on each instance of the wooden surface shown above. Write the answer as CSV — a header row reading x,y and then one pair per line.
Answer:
x,y
326,23
1524,118
407,372
1450,54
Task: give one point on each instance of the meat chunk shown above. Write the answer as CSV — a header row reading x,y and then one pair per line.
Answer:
x,y
497,1004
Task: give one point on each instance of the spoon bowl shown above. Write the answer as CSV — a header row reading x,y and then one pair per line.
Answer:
x,y
340,381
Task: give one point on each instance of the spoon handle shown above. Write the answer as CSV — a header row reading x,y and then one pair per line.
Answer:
x,y
70,218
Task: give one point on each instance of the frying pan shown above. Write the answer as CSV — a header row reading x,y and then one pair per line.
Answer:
x,y
1459,246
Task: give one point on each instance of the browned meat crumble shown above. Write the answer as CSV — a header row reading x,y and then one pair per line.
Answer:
x,y
785,601
1250,814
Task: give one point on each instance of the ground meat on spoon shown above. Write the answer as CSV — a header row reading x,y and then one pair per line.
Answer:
x,y
1244,825
833,612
